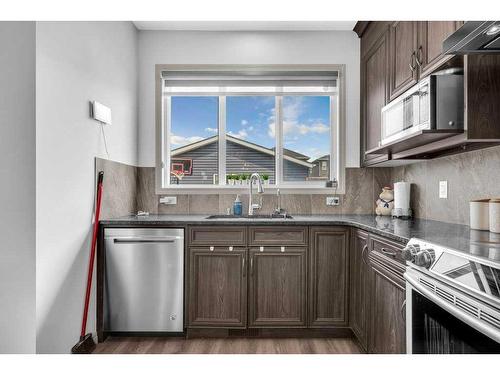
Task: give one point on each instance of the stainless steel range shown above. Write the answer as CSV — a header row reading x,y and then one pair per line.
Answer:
x,y
452,299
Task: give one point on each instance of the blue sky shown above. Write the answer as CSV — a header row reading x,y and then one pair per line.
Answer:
x,y
305,121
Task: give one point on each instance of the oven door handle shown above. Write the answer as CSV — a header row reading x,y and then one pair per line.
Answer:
x,y
475,323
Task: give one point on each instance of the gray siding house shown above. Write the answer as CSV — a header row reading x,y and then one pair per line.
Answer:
x,y
199,161
321,168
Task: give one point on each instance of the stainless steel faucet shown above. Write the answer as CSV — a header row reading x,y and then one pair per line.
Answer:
x,y
260,189
277,210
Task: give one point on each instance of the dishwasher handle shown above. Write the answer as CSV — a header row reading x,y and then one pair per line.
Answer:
x,y
144,240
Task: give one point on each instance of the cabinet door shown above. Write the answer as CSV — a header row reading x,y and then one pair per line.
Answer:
x,y
402,64
374,89
328,276
388,334
217,288
431,35
277,287
359,276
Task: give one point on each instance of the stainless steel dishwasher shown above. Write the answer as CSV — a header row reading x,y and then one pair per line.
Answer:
x,y
144,280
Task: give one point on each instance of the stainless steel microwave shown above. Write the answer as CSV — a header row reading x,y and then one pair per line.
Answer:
x,y
435,103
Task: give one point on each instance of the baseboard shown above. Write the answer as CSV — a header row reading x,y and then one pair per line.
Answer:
x,y
337,332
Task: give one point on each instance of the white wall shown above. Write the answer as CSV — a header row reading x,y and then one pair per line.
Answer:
x,y
169,47
17,187
76,62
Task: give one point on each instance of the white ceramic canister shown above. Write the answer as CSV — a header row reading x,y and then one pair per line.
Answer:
x,y
479,214
495,215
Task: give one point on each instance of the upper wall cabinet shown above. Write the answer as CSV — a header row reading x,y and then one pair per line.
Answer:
x,y
395,55
431,35
403,68
415,51
374,72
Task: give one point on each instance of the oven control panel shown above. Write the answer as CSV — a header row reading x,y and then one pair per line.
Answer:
x,y
420,253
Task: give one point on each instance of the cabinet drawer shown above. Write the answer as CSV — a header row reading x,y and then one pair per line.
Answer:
x,y
387,248
278,236
217,236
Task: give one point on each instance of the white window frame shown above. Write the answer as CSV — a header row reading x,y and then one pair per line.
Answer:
x,y
337,134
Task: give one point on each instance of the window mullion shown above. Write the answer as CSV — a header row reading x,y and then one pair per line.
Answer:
x,y
334,137
167,126
279,139
222,140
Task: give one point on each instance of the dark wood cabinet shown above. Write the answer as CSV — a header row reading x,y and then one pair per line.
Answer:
x,y
217,236
374,78
403,72
328,276
359,286
388,328
431,35
217,287
278,236
277,287
396,55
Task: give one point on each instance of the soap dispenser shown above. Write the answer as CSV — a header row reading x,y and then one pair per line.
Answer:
x,y
237,206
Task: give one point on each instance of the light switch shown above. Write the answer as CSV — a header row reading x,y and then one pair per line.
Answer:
x,y
168,200
443,189
332,201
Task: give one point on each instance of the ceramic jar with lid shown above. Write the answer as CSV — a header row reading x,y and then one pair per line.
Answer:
x,y
495,215
479,214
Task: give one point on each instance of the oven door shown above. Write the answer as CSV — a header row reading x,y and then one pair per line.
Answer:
x,y
434,326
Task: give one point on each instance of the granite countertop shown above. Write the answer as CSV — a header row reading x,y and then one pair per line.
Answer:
x,y
455,236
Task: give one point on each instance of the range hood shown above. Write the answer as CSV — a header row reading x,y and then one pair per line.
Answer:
x,y
474,37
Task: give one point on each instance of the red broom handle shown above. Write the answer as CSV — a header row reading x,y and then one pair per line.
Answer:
x,y
92,254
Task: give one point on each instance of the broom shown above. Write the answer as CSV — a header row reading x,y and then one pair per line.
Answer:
x,y
86,344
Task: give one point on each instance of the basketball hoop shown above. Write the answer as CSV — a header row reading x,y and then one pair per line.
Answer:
x,y
178,174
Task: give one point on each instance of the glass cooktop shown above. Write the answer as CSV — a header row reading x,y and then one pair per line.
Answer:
x,y
478,276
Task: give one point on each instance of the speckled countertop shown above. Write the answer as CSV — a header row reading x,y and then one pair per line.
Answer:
x,y
459,237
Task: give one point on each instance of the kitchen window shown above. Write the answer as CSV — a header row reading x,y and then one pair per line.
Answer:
x,y
219,126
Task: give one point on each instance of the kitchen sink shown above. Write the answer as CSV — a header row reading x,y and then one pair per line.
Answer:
x,y
270,216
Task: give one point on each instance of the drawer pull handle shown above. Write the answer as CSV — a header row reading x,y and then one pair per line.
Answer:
x,y
243,266
388,252
282,249
212,248
261,249
230,248
363,254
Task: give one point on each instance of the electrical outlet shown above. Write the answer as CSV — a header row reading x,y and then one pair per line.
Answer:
x,y
168,200
443,189
332,201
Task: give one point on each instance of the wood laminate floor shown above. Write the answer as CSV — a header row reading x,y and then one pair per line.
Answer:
x,y
180,345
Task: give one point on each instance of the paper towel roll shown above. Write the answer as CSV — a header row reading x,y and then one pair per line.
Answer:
x,y
402,195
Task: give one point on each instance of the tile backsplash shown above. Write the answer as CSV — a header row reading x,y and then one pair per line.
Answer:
x,y
362,188
470,175
119,188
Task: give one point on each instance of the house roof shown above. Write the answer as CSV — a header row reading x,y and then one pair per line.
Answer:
x,y
294,154
204,142
323,158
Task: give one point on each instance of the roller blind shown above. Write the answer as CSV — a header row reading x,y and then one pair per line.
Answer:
x,y
250,83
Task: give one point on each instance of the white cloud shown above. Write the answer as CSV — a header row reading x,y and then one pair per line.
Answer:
x,y
179,140
211,130
318,128
293,109
271,131
291,125
244,122
241,134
